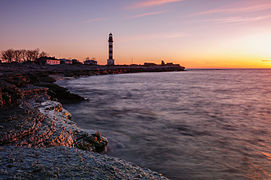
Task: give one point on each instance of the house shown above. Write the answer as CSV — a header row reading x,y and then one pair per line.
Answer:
x,y
75,61
65,61
52,61
90,62
171,64
48,61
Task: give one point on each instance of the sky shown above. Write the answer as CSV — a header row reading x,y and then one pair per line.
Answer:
x,y
193,33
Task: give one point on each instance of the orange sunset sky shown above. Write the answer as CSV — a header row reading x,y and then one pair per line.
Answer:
x,y
194,33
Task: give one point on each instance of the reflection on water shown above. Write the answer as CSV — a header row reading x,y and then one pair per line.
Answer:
x,y
201,124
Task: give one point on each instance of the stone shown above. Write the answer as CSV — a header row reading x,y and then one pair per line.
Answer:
x,y
67,163
60,93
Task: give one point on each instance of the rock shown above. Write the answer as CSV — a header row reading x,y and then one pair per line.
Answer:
x,y
97,134
67,163
46,124
18,80
60,93
91,142
9,94
47,78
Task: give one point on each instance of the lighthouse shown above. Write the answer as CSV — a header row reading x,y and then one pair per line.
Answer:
x,y
110,60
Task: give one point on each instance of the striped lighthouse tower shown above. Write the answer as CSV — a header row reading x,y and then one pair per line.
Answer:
x,y
110,61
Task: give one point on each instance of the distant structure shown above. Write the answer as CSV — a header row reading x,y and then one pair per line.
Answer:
x,y
90,62
52,61
162,64
75,61
149,64
48,61
65,61
110,60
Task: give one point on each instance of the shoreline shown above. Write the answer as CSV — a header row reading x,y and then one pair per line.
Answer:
x,y
53,146
32,116
15,79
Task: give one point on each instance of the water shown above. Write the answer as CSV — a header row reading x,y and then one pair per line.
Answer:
x,y
199,124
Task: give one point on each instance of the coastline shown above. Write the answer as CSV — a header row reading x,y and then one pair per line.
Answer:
x,y
54,147
33,117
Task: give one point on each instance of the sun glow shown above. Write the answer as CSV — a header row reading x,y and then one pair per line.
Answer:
x,y
259,44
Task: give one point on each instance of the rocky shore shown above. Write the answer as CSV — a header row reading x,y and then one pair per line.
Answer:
x,y
20,80
66,163
38,137
41,141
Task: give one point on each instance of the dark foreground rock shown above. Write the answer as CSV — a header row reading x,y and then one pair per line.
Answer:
x,y
13,90
66,163
60,93
39,140
46,123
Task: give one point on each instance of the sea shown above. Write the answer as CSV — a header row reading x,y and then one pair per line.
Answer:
x,y
196,124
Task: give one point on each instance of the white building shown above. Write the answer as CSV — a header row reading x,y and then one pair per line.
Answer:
x,y
52,61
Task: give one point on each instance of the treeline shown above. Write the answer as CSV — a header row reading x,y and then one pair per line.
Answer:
x,y
21,55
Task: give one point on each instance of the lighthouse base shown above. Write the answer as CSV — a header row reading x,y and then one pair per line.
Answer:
x,y
110,62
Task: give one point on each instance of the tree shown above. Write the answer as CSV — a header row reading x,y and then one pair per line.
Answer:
x,y
43,54
18,55
8,55
24,55
32,55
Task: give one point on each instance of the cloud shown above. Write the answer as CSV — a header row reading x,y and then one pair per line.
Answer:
x,y
239,19
150,3
153,36
146,14
92,20
250,8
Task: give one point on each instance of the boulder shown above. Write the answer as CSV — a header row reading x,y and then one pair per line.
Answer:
x,y
60,93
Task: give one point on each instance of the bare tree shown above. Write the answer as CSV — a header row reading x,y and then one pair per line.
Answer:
x,y
18,55
24,55
43,54
36,53
8,55
32,55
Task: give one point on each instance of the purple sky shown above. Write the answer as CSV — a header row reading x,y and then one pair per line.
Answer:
x,y
194,33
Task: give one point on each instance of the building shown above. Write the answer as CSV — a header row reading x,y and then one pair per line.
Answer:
x,y
168,64
75,61
52,61
149,64
48,61
90,62
172,64
65,61
110,61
